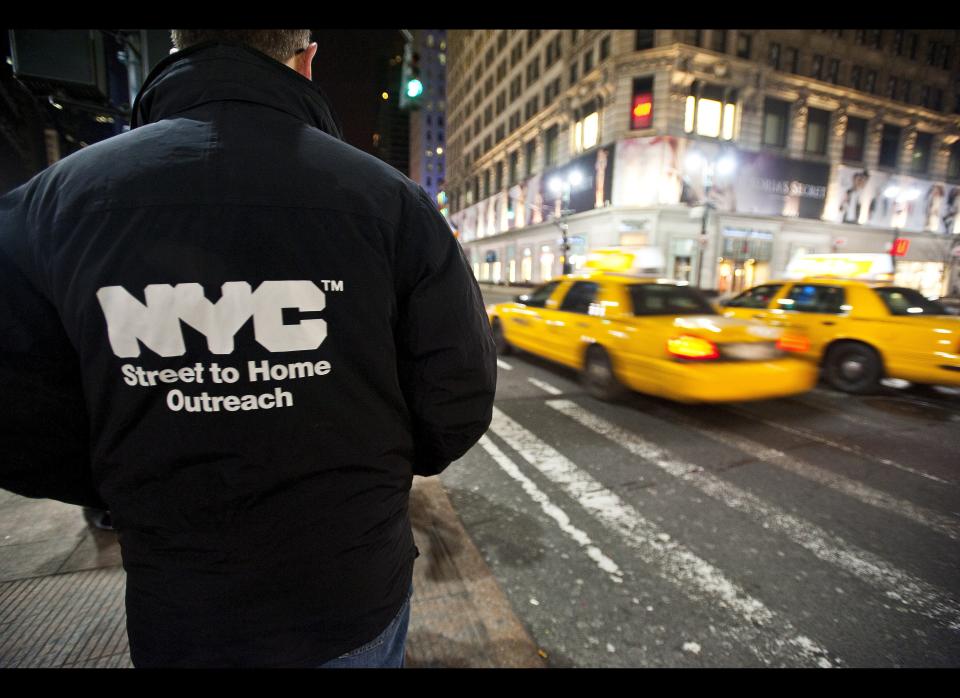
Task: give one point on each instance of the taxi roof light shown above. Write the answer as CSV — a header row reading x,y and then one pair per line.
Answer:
x,y
689,347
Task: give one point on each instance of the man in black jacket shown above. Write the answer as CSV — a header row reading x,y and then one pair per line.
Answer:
x,y
242,337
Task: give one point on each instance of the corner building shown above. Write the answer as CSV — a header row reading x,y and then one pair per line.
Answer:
x,y
788,141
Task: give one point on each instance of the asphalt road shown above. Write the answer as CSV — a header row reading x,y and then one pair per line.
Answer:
x,y
821,530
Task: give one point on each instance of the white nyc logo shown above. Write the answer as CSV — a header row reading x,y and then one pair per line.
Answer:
x,y
157,324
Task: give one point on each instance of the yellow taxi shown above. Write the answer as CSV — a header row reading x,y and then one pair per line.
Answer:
x,y
860,331
654,336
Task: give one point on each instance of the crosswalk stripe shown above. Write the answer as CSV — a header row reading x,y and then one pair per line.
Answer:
x,y
807,434
608,566
545,386
768,635
504,365
913,592
941,523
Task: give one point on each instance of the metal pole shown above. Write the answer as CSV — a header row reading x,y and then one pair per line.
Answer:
x,y
703,244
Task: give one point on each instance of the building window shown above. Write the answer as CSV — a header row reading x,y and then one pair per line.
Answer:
x,y
856,72
870,83
501,40
833,71
641,111
573,72
818,126
643,39
773,56
945,53
516,54
905,90
710,111
498,176
744,45
516,87
932,52
605,47
920,161
501,70
501,102
889,145
791,59
892,87
574,33
486,183
898,42
913,47
531,151
776,115
860,36
588,61
874,37
953,164
854,138
586,127
514,122
514,164
816,67
551,146
499,133
718,40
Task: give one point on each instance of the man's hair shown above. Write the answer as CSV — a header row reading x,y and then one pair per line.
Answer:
x,y
279,44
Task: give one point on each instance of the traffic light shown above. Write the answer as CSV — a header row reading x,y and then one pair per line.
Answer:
x,y
411,87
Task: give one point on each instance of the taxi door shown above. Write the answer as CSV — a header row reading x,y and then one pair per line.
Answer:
x,y
524,324
571,321
818,309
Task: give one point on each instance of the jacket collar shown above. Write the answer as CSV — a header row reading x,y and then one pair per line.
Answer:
x,y
216,71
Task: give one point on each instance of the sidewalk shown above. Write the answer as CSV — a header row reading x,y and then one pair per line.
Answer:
x,y
62,590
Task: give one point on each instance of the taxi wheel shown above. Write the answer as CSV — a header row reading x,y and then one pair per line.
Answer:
x,y
598,376
853,368
499,341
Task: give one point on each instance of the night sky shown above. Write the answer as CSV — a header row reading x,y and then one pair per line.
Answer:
x,y
349,67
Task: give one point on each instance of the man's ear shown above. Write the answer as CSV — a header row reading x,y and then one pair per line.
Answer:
x,y
304,61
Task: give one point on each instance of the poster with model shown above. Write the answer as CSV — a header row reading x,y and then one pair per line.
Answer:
x,y
890,200
593,173
767,184
648,172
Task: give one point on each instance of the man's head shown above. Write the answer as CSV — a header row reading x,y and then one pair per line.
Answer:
x,y
292,47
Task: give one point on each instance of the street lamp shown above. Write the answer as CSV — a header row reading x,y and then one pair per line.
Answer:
x,y
899,196
562,186
724,166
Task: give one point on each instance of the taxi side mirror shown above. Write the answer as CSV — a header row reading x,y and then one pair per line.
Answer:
x,y
522,298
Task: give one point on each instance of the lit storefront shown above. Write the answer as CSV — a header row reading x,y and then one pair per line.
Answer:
x,y
764,209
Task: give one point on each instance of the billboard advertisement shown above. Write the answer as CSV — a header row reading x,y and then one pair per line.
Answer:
x,y
890,200
669,170
533,201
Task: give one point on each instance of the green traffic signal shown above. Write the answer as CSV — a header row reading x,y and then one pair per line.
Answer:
x,y
414,88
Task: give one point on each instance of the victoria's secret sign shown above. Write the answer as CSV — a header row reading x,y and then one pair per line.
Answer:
x,y
771,185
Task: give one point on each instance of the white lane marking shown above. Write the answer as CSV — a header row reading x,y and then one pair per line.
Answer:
x,y
504,365
768,635
818,394
545,386
934,520
913,592
607,565
807,434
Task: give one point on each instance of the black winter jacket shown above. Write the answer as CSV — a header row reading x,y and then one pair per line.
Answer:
x,y
243,337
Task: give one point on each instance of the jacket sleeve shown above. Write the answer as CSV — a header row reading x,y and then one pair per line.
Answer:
x,y
44,432
446,357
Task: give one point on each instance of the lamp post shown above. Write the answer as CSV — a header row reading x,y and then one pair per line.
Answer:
x,y
899,196
561,187
725,166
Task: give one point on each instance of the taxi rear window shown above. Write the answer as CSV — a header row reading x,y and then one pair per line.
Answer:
x,y
907,301
666,299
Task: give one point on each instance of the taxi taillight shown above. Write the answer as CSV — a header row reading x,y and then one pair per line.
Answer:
x,y
794,342
689,347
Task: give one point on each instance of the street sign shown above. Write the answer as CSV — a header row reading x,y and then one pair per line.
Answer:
x,y
900,247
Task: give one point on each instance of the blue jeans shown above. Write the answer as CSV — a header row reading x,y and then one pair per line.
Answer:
x,y
384,651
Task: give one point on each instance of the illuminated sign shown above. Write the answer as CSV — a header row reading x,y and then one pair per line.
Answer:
x,y
642,112
900,247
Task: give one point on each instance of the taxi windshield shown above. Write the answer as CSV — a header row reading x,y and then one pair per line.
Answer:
x,y
667,299
907,301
